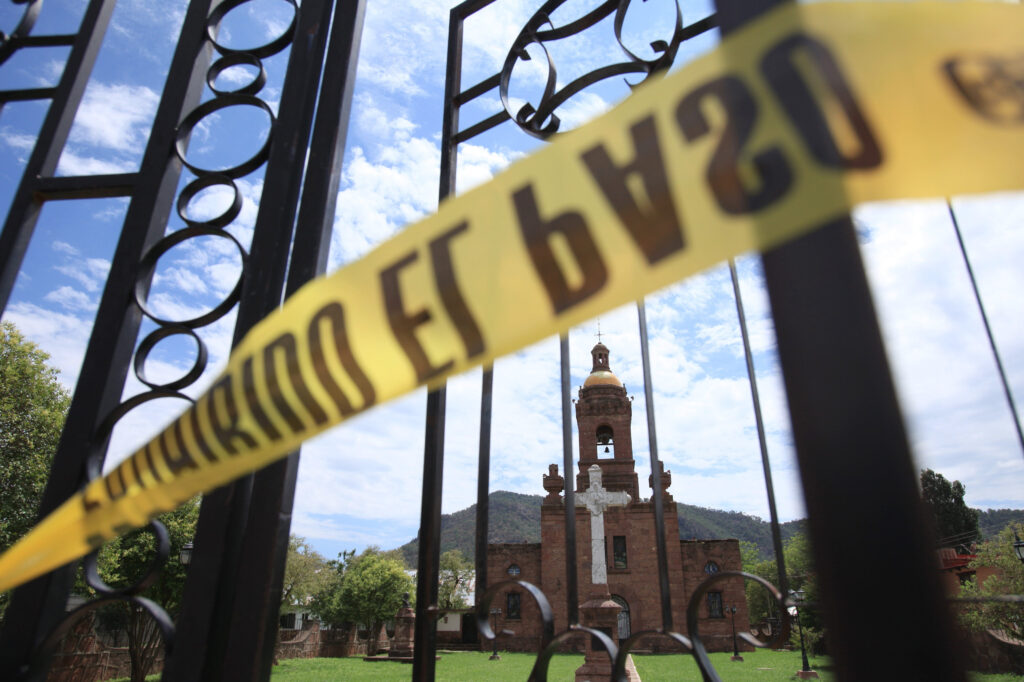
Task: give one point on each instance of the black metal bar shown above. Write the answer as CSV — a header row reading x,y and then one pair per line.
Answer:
x,y
26,95
429,553
483,126
87,186
568,460
36,607
483,479
780,561
58,40
480,88
429,550
851,443
988,328
656,470
245,524
254,627
470,7
696,28
25,206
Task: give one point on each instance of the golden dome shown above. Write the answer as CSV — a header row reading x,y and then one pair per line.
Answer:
x,y
602,377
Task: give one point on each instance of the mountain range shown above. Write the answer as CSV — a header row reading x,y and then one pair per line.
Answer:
x,y
515,517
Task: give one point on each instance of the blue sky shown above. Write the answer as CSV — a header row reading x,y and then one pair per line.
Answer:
x,y
359,484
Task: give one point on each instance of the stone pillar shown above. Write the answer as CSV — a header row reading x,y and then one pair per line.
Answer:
x,y
405,626
599,613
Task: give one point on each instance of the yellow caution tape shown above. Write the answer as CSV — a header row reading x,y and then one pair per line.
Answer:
x,y
787,124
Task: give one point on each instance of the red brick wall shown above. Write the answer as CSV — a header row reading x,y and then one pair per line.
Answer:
x,y
527,629
313,642
716,633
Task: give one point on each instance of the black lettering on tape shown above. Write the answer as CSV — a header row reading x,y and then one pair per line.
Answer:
x,y
89,504
226,432
537,232
451,296
115,492
654,223
176,457
148,450
285,345
134,459
773,171
204,447
252,399
403,324
805,112
334,315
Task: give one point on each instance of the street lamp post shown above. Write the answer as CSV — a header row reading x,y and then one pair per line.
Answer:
x,y
494,628
185,555
1018,546
731,610
805,672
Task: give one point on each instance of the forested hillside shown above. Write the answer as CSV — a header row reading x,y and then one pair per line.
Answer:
x,y
516,518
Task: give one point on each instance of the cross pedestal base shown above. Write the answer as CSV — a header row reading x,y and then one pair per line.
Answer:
x,y
600,613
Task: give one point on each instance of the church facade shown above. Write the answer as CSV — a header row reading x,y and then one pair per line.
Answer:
x,y
604,418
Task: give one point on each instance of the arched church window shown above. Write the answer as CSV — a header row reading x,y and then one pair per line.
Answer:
x,y
513,570
605,437
711,568
623,618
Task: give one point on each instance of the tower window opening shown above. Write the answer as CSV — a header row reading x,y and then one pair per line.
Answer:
x,y
605,437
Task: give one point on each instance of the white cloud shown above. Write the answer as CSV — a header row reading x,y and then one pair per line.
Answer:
x,y
72,163
114,116
70,298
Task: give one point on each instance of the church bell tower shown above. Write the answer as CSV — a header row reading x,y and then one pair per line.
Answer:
x,y
604,415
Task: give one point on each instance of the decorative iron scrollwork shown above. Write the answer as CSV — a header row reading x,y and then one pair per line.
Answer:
x,y
541,121
206,178
617,655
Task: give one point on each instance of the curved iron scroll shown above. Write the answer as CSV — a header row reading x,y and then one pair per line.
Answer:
x,y
541,121
617,654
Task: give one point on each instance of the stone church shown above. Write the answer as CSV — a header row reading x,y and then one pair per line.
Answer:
x,y
604,415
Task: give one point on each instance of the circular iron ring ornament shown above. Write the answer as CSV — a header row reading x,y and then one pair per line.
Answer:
x,y
111,595
148,266
97,455
541,121
205,109
151,340
39,666
24,27
261,51
237,59
152,572
205,182
700,654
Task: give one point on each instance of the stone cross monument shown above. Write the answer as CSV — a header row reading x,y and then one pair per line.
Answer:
x,y
598,612
596,499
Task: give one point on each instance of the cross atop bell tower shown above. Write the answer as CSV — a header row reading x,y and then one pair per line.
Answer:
x,y
604,415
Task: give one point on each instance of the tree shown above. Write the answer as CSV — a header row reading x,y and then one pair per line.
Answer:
x,y
372,590
305,573
32,409
996,553
326,601
455,575
955,522
800,575
124,560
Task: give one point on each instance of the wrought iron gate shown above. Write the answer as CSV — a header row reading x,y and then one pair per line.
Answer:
x,y
847,441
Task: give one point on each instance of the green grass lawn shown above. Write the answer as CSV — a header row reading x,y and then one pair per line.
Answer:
x,y
761,665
